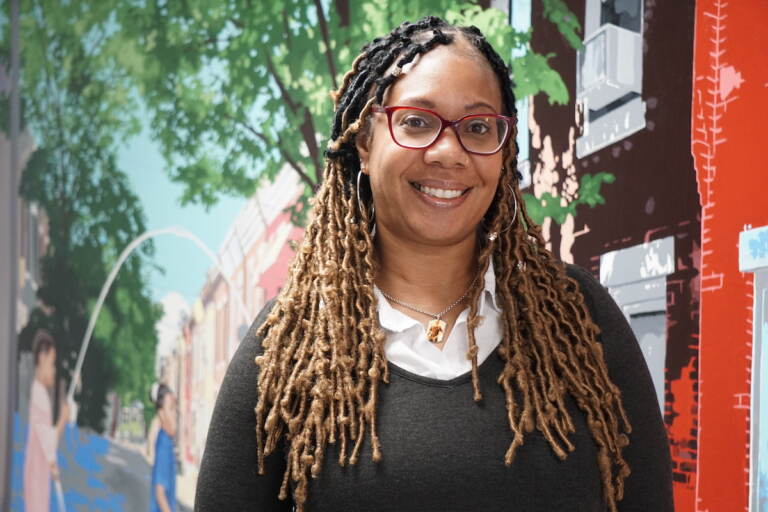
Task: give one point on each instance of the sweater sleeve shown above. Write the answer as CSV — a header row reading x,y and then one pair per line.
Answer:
x,y
228,478
649,486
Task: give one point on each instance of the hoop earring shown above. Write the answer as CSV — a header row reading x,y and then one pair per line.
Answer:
x,y
360,203
493,235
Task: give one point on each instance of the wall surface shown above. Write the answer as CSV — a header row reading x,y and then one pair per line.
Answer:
x,y
689,178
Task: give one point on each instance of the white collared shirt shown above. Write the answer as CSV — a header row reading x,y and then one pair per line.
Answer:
x,y
407,345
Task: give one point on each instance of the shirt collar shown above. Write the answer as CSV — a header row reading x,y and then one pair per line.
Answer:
x,y
394,320
490,287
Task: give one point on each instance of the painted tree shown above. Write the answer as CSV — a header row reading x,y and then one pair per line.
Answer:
x,y
77,106
556,193
237,90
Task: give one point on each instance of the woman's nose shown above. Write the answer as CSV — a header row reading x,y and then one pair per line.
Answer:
x,y
447,151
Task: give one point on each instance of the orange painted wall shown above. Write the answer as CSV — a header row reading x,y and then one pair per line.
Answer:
x,y
729,114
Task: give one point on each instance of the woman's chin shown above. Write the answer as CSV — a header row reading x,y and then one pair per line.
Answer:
x,y
443,235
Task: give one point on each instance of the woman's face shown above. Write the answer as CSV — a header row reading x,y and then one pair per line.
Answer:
x,y
46,370
452,83
167,414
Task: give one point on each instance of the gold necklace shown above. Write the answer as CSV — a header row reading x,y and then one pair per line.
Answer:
x,y
436,326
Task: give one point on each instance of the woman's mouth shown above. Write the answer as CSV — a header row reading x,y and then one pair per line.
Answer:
x,y
439,193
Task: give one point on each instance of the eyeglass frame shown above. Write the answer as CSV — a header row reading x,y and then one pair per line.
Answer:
x,y
444,124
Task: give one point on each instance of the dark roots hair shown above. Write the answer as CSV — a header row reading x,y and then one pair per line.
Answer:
x,y
321,366
41,344
158,394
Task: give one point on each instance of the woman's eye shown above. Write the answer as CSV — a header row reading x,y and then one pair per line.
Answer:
x,y
478,127
414,122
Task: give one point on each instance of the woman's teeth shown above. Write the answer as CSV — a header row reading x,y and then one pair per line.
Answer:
x,y
440,193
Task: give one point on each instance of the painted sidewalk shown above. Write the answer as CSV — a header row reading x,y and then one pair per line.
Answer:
x,y
97,474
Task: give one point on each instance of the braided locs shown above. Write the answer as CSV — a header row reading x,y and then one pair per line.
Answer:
x,y
322,366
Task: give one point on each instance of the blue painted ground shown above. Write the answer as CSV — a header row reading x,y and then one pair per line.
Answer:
x,y
81,459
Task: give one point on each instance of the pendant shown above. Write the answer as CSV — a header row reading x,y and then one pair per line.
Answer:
x,y
435,330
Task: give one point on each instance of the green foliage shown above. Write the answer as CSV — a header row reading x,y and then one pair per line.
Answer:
x,y
589,188
77,104
558,13
238,91
550,206
533,75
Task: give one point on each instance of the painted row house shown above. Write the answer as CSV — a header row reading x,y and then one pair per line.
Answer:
x,y
666,99
253,263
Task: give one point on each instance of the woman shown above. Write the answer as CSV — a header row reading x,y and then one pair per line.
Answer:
x,y
427,351
162,496
40,464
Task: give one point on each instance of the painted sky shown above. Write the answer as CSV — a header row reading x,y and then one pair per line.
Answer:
x,y
184,264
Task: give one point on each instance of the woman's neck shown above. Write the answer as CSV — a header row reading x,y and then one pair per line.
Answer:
x,y
425,275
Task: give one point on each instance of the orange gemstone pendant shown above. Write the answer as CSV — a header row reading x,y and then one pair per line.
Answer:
x,y
435,330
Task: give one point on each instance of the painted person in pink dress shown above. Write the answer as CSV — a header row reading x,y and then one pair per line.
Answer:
x,y
40,455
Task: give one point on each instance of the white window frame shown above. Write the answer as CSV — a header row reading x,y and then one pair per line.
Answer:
x,y
757,264
636,278
610,105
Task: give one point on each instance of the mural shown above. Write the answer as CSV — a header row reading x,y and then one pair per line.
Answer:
x,y
630,119
655,84
150,236
729,103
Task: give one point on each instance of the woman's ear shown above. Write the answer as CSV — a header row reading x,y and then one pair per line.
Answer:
x,y
363,142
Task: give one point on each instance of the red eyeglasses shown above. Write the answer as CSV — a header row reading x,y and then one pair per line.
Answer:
x,y
419,128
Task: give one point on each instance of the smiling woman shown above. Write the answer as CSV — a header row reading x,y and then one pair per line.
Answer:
x,y
435,196
506,374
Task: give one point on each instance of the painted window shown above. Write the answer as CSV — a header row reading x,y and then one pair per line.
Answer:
x,y
609,74
636,278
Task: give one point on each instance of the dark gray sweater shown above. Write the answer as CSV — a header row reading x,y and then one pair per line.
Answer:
x,y
444,452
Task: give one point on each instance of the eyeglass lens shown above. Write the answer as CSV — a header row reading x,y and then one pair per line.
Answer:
x,y
478,133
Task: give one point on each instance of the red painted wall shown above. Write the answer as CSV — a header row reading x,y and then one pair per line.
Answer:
x,y
729,111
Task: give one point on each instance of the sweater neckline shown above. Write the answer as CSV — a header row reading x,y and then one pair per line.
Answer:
x,y
459,380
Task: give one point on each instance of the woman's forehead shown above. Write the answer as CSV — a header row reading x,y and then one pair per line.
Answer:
x,y
449,75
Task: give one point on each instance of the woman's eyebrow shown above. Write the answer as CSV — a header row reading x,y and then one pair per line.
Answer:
x,y
478,104
424,102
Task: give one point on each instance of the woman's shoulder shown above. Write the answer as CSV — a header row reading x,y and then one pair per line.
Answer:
x,y
252,334
228,471
233,417
250,345
587,282
649,485
623,356
615,334
596,296
237,391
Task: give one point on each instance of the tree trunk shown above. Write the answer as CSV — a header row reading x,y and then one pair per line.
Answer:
x,y
342,9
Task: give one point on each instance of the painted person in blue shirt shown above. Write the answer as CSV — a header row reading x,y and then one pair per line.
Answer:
x,y
162,496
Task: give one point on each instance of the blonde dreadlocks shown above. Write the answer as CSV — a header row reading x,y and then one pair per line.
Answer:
x,y
322,366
